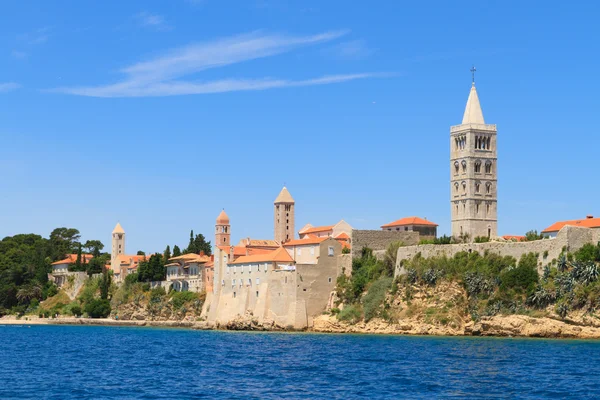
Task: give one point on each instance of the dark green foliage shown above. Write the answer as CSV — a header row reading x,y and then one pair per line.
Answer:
x,y
63,241
562,309
541,297
104,284
520,278
140,253
441,240
167,254
198,244
431,276
176,251
373,300
76,310
345,250
481,239
93,247
98,308
389,259
476,283
131,279
152,269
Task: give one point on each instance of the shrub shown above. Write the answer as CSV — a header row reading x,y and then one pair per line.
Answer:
x,y
76,310
389,259
98,308
178,299
351,314
430,276
475,283
374,298
587,253
131,279
52,291
523,277
562,309
157,294
481,239
541,297
346,250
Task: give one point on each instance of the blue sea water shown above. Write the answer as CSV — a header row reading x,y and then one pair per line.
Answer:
x,y
76,362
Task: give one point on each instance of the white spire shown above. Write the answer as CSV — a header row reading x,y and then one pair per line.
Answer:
x,y
473,113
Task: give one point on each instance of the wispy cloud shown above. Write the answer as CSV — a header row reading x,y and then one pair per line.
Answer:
x,y
159,76
153,21
39,36
8,86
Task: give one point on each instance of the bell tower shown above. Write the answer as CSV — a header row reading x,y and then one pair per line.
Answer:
x,y
473,173
118,245
284,216
222,230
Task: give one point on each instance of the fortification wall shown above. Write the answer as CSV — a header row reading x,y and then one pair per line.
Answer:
x,y
571,238
378,241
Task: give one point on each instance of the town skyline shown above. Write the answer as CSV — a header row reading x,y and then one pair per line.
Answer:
x,y
167,164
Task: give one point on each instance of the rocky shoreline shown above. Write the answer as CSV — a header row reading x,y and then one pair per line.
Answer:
x,y
497,326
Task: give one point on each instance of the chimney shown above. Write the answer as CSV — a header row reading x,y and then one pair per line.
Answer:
x,y
589,216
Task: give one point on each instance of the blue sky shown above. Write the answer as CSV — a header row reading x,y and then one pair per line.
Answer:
x,y
159,114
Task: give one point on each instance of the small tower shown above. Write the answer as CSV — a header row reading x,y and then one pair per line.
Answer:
x,y
222,230
284,216
118,245
473,173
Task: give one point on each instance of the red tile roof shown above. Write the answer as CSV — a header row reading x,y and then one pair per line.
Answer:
x,y
279,255
409,221
72,258
342,236
316,229
589,222
514,237
302,242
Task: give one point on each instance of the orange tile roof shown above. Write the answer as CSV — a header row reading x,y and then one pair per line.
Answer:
x,y
261,242
589,222
316,229
126,259
72,258
345,245
279,255
210,264
250,251
191,258
515,237
237,250
342,236
302,242
409,221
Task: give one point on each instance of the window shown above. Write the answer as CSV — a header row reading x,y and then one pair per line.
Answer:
x,y
233,282
456,187
257,281
329,279
464,185
477,185
477,166
312,250
234,295
488,167
330,251
257,293
464,165
299,252
456,167
249,282
488,188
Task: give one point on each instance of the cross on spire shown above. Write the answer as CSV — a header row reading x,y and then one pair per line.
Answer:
x,y
473,69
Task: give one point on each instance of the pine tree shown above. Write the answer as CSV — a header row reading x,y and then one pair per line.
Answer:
x,y
176,251
167,254
78,260
201,245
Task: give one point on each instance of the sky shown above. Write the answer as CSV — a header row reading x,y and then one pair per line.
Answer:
x,y
158,114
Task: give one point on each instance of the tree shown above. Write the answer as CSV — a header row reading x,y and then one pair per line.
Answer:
x,y
28,293
389,259
191,246
198,244
104,284
98,308
152,269
93,247
95,266
140,253
167,254
533,235
176,251
78,264
63,241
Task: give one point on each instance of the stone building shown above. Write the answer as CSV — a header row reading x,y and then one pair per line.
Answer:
x,y
588,222
426,229
473,174
187,272
284,216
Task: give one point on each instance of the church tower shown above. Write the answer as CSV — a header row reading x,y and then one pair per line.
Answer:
x,y
222,230
473,173
118,246
284,216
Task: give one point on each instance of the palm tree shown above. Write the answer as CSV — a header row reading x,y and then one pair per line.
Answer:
x,y
29,292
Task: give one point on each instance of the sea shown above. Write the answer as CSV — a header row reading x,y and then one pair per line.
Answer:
x,y
92,362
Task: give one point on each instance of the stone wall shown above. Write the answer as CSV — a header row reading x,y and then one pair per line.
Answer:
x,y
571,238
378,241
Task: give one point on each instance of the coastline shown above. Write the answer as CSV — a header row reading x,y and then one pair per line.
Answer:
x,y
499,326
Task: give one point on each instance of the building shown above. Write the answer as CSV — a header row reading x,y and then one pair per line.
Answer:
x,y
120,263
423,226
310,250
187,272
588,222
284,216
335,231
60,269
473,174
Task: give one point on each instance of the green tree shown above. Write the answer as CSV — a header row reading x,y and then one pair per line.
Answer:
x,y
140,253
78,265
98,308
63,241
533,235
104,284
93,247
167,254
176,251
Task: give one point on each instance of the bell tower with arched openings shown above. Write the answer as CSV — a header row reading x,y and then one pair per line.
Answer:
x,y
284,216
222,230
473,173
